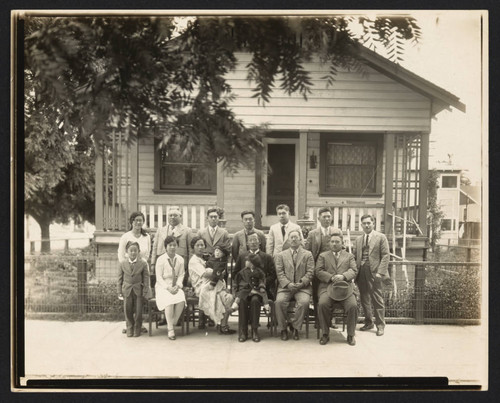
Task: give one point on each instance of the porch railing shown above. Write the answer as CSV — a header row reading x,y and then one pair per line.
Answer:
x,y
193,215
349,215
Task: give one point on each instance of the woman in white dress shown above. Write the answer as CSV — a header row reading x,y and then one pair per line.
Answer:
x,y
214,301
170,297
136,234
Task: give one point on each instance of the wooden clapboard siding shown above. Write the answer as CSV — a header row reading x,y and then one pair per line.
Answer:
x,y
354,102
313,198
239,195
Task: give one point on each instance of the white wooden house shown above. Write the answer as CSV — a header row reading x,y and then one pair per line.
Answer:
x,y
350,146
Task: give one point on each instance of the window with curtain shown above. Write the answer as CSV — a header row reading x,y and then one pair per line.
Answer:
x,y
175,173
349,163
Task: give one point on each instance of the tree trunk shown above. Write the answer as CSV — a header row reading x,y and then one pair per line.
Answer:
x,y
44,226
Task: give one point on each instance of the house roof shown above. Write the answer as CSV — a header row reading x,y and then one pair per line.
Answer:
x,y
441,99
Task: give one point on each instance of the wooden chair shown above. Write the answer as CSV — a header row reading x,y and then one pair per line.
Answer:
x,y
154,314
191,311
338,312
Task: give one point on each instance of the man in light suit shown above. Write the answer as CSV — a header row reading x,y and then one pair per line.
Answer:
x,y
277,240
372,259
334,267
294,269
240,238
213,234
182,234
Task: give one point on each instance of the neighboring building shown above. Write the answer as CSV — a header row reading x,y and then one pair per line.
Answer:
x,y
460,205
351,146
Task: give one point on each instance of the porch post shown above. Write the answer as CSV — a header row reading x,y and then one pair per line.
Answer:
x,y
99,199
302,185
134,176
258,190
389,178
220,185
424,178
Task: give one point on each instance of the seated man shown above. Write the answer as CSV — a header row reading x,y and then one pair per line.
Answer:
x,y
336,269
294,269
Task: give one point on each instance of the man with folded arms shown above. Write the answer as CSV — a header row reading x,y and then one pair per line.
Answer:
x,y
336,269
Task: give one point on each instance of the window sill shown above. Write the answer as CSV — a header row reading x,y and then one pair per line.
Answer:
x,y
340,194
184,191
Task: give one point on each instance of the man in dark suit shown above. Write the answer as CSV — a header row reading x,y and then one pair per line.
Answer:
x,y
268,266
294,269
240,238
372,259
213,234
333,268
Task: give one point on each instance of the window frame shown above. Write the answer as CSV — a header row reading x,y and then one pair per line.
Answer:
x,y
186,189
375,138
448,176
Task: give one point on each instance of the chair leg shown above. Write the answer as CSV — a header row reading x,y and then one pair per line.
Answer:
x,y
150,318
307,323
183,320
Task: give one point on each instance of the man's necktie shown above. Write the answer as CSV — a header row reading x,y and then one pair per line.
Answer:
x,y
366,240
283,231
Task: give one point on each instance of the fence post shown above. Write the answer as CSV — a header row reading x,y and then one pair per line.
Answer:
x,y
66,245
469,254
32,247
419,293
81,267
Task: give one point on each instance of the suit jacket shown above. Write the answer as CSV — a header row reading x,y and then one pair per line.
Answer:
x,y
133,276
268,267
275,242
182,234
303,270
240,242
378,252
313,242
221,238
327,267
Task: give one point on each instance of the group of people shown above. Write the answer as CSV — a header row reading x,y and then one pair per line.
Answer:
x,y
279,269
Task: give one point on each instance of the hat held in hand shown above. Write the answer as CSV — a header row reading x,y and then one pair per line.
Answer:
x,y
340,290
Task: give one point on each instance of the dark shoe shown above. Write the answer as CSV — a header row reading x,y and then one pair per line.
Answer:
x,y
255,336
124,331
351,340
380,331
130,333
225,330
295,334
284,335
143,330
324,339
242,338
367,327
171,335
211,323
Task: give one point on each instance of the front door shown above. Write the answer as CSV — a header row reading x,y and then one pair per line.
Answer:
x,y
279,182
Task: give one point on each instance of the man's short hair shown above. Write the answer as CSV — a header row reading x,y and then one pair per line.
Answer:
x,y
217,210
336,232
252,235
324,210
245,212
176,208
368,216
282,207
295,230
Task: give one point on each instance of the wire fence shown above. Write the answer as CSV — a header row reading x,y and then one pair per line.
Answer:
x,y
84,286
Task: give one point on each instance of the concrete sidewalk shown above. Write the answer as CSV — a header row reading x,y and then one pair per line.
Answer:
x,y
99,349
